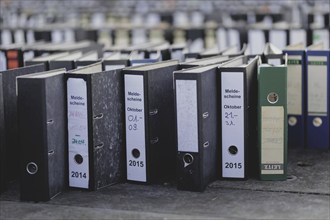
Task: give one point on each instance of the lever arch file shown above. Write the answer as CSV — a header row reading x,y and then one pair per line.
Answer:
x,y
149,118
296,95
41,127
95,127
9,84
272,122
238,106
318,101
196,127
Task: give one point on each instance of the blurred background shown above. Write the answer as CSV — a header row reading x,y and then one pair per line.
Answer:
x,y
219,23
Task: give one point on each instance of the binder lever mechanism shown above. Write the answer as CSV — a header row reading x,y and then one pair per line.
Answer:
x,y
98,116
205,115
154,140
153,112
99,146
206,144
51,152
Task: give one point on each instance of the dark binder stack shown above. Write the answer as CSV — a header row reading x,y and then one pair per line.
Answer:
x,y
9,108
116,60
41,128
238,117
138,58
68,62
149,117
95,127
87,59
45,60
205,61
163,49
40,49
196,127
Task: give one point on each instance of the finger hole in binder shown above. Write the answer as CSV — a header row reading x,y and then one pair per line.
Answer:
x,y
153,112
233,150
206,144
205,115
51,152
32,168
136,153
187,159
49,122
78,159
154,141
99,116
98,146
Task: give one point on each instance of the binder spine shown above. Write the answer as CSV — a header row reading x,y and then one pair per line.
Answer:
x,y
188,162
78,130
209,129
233,124
56,135
107,121
135,121
318,119
161,142
33,140
272,124
296,94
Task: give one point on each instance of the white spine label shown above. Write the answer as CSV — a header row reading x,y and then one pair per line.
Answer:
x,y
186,113
232,99
272,140
135,128
78,133
294,85
317,85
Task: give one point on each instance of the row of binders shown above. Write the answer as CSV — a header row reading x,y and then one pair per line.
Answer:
x,y
220,117
204,36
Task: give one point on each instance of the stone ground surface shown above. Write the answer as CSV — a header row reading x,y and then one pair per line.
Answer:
x,y
306,195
